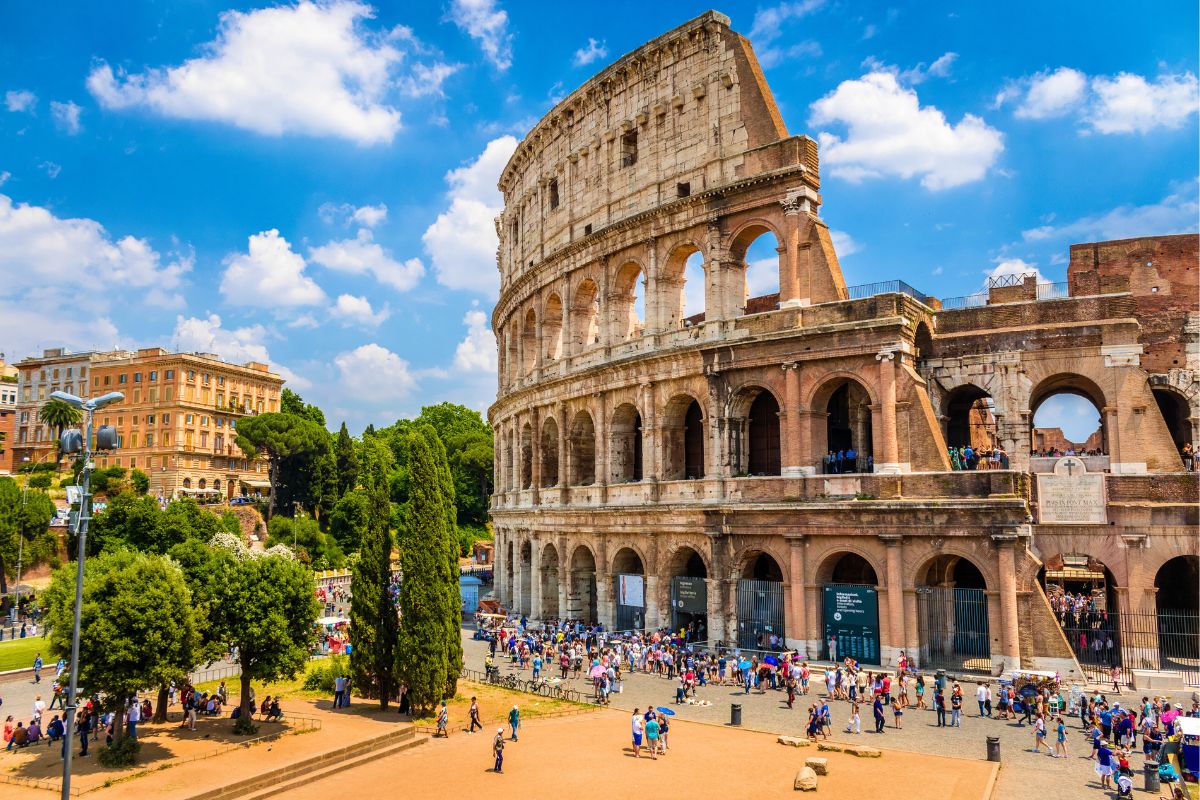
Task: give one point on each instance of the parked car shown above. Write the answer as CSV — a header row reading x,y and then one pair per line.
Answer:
x,y
240,500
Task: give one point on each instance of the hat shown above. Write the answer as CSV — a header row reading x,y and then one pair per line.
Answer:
x,y
1177,705
499,730
514,706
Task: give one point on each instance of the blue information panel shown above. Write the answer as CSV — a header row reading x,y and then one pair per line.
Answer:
x,y
852,620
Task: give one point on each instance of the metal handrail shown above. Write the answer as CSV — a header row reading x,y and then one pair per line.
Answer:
x,y
865,290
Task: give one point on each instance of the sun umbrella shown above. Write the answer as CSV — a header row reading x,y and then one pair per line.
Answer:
x,y
665,710
743,664
597,671
772,660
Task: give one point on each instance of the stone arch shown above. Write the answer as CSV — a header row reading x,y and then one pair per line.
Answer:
x,y
187,483
581,597
552,328
681,286
848,565
683,437
529,342
1068,384
970,417
758,564
1176,413
951,569
582,445
549,579
1178,585
755,431
760,600
923,343
526,456
625,444
585,316
509,568
549,445
953,612
842,421
758,278
512,358
627,302
203,483
688,561
628,560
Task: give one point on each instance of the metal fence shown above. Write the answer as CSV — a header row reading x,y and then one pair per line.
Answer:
x,y
1167,640
759,612
864,290
966,301
953,626
544,688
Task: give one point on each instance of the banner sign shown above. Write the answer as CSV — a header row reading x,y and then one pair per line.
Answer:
x,y
852,620
690,595
631,590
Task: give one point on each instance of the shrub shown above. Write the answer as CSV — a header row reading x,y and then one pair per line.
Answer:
x,y
122,753
244,726
321,676
42,480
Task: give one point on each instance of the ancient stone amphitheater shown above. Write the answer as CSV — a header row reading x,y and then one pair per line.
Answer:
x,y
659,465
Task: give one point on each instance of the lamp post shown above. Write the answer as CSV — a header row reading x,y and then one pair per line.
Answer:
x,y
89,408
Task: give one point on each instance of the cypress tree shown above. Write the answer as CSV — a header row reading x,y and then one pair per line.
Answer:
x,y
374,625
451,593
347,462
423,539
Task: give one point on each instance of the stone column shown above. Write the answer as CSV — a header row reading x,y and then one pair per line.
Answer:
x,y
794,287
795,623
535,579
653,313
564,576
652,612
791,421
568,303
887,458
717,592
895,598
535,444
651,446
497,463
499,584
601,449
518,600
604,606
1006,557
714,268
564,468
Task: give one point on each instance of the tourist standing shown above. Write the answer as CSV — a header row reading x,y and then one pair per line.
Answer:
x,y
1060,745
443,721
474,715
956,707
652,730
637,733
514,721
498,751
877,708
339,689
939,705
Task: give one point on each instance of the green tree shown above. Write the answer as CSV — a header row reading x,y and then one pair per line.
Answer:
x,y
137,629
349,519
23,515
452,596
140,481
129,521
292,403
279,437
108,481
374,624
312,545
40,480
346,456
423,541
59,415
267,610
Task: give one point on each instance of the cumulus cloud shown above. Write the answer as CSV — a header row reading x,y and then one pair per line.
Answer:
x,y
20,100
66,117
426,79
844,244
1175,213
594,51
237,345
357,311
487,24
1124,103
347,214
270,274
374,374
889,133
462,241
363,255
768,22
1007,267
476,352
309,68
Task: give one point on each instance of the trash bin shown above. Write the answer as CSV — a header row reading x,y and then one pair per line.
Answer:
x,y
1151,772
735,717
993,748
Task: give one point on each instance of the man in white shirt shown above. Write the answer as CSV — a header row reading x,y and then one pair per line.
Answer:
x,y
134,717
637,733
981,696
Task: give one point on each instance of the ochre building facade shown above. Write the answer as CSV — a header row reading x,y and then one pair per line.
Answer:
x,y
657,466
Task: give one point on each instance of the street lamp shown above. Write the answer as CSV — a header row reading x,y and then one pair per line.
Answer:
x,y
72,442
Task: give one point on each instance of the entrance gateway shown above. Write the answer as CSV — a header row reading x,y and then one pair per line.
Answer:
x,y
759,614
689,606
851,615
631,602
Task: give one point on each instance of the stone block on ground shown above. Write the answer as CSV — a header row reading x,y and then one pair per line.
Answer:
x,y
806,780
819,765
862,751
832,747
794,741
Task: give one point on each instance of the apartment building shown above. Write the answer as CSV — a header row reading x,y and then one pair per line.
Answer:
x,y
56,370
8,414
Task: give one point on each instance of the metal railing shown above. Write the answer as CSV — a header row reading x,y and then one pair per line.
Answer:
x,y
885,287
1053,291
543,688
1045,291
966,301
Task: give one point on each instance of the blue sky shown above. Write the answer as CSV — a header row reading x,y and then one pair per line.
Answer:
x,y
314,184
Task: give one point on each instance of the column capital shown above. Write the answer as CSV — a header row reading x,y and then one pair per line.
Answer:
x,y
790,366
891,539
796,539
885,355
1135,541
1008,537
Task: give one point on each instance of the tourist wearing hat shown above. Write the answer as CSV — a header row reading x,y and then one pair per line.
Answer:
x,y
1104,764
514,721
498,750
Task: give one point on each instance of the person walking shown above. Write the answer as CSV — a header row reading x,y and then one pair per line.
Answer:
x,y
498,751
833,649
37,662
897,711
443,721
981,696
939,705
637,733
474,715
877,708
1039,734
1060,746
514,721
339,689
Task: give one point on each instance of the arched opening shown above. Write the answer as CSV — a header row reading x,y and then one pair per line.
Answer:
x,y
850,609
1083,597
203,483
683,439
1177,603
629,577
625,451
512,335
760,604
682,288
549,446
970,416
923,342
509,571
526,456
549,579
581,597
628,303
217,484
526,578
529,342
762,436
689,594
1065,418
952,614
187,483
848,433
585,317
758,252
583,450
552,329
1174,410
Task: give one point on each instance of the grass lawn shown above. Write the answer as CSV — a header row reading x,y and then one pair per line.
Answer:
x,y
19,653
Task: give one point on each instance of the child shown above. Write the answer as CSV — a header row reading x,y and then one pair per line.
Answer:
x,y
854,724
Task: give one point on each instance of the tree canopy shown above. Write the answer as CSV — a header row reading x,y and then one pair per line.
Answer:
x,y
25,515
282,438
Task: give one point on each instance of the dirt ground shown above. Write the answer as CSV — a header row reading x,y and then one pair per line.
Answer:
x,y
590,756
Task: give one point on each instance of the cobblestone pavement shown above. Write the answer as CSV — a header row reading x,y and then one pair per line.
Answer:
x,y
1023,774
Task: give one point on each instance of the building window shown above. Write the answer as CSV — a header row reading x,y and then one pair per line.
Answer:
x,y
166,419
206,377
96,381
135,420
170,374
204,438
168,393
166,438
24,416
55,374
121,379
587,229
83,372
190,418
553,193
137,395
153,375
153,394
220,380
149,440
683,189
137,377
133,437
204,420
191,375
69,369
629,150
107,380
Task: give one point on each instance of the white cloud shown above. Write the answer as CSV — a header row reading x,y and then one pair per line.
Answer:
x,y
941,67
1131,104
462,240
427,79
1011,267
358,311
1053,94
1175,213
4,176
844,244
20,100
362,255
772,56
270,274
890,134
487,24
370,216
594,51
308,68
237,346
768,22
52,170
913,76
869,32
476,352
66,116
345,214
374,374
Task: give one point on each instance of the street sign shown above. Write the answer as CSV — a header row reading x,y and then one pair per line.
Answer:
x,y
852,620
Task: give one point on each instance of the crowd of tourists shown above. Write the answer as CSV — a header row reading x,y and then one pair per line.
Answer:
x,y
1087,626
966,457
838,462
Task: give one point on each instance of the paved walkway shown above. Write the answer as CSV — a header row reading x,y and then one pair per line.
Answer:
x,y
1024,774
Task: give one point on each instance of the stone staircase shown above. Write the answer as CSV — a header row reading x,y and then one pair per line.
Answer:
x,y
302,773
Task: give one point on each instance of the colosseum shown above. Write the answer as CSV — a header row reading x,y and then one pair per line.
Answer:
x,y
778,469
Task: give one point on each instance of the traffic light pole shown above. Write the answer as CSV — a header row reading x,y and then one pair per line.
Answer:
x,y
85,514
